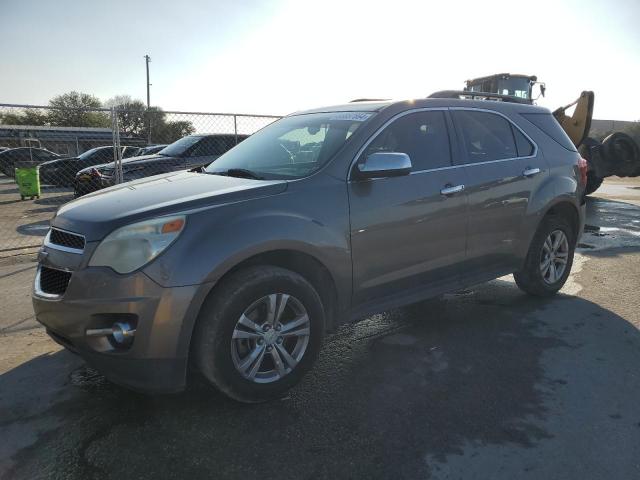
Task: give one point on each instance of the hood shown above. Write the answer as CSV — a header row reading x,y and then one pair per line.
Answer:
x,y
128,161
97,214
142,159
56,162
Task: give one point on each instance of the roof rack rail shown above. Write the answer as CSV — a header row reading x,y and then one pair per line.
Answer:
x,y
369,100
478,95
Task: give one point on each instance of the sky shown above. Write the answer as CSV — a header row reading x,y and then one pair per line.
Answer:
x,y
280,56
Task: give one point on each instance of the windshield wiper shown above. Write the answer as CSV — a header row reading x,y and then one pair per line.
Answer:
x,y
240,173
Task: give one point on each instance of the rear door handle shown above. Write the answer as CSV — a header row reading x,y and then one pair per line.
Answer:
x,y
450,190
530,172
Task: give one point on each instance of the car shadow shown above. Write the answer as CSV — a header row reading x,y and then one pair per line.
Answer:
x,y
34,229
484,366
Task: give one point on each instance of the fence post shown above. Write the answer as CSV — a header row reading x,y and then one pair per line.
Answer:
x,y
235,128
117,152
148,115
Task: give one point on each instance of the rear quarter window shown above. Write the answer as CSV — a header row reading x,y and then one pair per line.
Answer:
x,y
550,126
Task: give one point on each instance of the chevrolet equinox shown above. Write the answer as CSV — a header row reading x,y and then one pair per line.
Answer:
x,y
324,216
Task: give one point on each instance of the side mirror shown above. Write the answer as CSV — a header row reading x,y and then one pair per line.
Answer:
x,y
384,164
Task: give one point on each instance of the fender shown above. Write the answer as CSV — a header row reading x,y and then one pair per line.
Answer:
x,y
216,240
554,191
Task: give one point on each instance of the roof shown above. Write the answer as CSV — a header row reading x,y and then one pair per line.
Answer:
x,y
426,103
58,129
374,106
502,75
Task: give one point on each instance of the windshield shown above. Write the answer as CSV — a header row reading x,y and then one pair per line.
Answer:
x,y
89,153
514,86
292,147
179,147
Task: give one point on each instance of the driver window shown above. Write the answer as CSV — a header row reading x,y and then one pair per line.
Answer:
x,y
421,135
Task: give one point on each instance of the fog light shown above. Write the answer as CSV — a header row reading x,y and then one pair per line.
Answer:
x,y
121,333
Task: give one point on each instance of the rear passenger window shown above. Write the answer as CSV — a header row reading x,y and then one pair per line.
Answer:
x,y
421,135
525,148
549,125
486,136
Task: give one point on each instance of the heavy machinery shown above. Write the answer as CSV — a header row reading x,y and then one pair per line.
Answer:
x,y
617,154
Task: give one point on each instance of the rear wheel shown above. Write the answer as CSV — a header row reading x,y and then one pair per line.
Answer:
x,y
593,182
549,259
259,333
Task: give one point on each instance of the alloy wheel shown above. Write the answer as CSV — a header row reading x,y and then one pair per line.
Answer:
x,y
554,258
270,338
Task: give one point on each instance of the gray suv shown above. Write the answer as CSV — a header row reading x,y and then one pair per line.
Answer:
x,y
322,217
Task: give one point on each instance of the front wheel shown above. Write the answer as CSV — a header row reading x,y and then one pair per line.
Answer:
x,y
258,333
549,258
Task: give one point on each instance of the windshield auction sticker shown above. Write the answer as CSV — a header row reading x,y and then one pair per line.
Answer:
x,y
351,116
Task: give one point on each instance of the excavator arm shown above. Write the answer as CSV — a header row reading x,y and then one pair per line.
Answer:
x,y
577,125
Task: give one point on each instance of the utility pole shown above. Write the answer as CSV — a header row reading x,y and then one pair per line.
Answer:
x,y
147,59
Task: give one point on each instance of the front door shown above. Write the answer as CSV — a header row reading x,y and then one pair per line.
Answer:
x,y
405,233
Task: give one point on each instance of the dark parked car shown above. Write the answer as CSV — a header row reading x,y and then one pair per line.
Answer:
x,y
189,152
322,217
62,172
9,157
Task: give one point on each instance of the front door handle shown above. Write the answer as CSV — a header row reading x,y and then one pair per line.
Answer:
x,y
450,189
530,172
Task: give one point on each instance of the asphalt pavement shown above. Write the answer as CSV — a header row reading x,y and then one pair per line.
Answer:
x,y
486,383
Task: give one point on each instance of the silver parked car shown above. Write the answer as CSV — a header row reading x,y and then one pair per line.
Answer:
x,y
322,217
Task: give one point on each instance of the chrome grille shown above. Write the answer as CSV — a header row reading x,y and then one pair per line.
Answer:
x,y
66,239
52,281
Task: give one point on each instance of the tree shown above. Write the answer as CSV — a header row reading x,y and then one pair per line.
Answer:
x,y
24,117
131,115
76,109
134,120
172,130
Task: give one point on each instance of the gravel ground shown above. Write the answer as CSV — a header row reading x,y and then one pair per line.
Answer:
x,y
484,383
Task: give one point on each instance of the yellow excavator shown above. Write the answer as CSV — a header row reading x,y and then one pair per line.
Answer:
x,y
617,154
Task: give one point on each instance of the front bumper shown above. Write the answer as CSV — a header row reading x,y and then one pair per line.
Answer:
x,y
96,297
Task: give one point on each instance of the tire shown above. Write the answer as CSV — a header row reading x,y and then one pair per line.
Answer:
x,y
247,293
593,183
531,279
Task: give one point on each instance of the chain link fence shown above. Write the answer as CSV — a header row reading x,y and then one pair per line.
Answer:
x,y
79,151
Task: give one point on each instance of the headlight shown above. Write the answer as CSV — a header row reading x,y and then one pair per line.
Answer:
x,y
133,246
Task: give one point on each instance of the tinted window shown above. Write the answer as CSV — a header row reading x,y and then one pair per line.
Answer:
x,y
180,147
421,135
213,146
549,125
22,154
486,136
524,146
101,155
43,155
130,152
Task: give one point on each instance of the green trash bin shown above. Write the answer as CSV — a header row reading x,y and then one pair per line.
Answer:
x,y
28,179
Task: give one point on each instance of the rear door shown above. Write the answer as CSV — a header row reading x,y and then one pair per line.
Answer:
x,y
405,233
503,168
